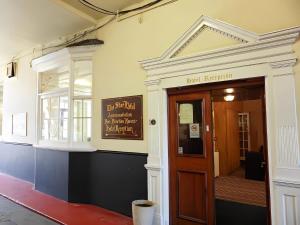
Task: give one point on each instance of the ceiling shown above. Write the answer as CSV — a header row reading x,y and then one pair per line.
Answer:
x,y
111,5
27,23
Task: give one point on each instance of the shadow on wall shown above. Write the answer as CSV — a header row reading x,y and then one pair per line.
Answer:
x,y
17,160
115,179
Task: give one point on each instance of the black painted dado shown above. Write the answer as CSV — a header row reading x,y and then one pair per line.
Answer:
x,y
79,177
52,172
111,180
17,160
116,179
108,179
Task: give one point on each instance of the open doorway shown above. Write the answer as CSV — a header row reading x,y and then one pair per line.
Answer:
x,y
240,154
218,154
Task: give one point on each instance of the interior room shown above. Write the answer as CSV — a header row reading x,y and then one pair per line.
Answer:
x,y
240,155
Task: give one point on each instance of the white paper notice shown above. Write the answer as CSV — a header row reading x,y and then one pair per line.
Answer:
x,y
194,130
186,113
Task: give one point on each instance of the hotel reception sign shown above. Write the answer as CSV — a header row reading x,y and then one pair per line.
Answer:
x,y
122,118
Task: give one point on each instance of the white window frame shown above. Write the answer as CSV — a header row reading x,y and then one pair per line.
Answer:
x,y
62,58
248,147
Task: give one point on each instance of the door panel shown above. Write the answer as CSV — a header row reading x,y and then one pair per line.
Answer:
x,y
191,159
191,195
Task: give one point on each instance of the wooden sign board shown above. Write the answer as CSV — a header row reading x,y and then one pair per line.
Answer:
x,y
122,118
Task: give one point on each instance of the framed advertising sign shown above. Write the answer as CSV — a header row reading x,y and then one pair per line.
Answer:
x,y
122,118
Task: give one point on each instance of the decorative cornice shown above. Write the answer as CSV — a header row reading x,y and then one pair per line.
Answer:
x,y
229,51
62,57
153,167
152,82
196,34
206,22
228,35
287,183
282,64
215,25
267,48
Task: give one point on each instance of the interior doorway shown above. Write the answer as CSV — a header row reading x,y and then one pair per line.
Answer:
x,y
218,154
240,154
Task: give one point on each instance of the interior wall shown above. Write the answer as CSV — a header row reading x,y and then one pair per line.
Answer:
x,y
227,131
254,107
227,135
19,96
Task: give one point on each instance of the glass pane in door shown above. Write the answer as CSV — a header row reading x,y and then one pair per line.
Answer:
x,y
190,127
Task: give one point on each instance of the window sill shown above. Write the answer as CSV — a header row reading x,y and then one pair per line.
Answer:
x,y
66,148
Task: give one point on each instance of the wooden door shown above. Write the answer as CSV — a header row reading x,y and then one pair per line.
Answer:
x,y
191,159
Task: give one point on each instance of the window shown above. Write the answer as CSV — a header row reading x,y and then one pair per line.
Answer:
x,y
55,118
244,132
54,103
82,120
65,98
82,115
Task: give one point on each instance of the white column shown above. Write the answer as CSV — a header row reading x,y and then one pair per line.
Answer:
x,y
286,165
153,166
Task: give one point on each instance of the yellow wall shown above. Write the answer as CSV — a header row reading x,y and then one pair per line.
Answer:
x,y
116,68
19,96
118,73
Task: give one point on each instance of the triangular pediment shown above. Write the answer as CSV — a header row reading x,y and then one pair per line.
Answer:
x,y
217,34
207,40
212,42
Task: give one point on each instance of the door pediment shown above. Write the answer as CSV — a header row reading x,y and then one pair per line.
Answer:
x,y
210,45
204,28
207,39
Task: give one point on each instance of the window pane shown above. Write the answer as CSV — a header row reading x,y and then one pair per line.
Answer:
x,y
45,130
54,108
46,109
82,78
190,127
64,105
63,129
87,128
77,130
77,108
87,108
55,79
53,129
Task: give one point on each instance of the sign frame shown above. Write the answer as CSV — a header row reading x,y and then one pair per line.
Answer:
x,y
137,104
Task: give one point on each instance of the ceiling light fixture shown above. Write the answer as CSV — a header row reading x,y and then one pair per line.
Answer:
x,y
229,90
229,98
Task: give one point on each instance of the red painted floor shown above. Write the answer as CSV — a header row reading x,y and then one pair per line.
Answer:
x,y
63,212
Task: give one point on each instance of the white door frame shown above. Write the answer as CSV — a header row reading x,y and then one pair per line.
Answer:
x,y
270,56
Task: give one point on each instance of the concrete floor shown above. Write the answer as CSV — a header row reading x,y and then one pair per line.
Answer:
x,y
14,214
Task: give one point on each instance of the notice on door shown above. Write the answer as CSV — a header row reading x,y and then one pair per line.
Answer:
x,y
194,130
122,118
186,113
